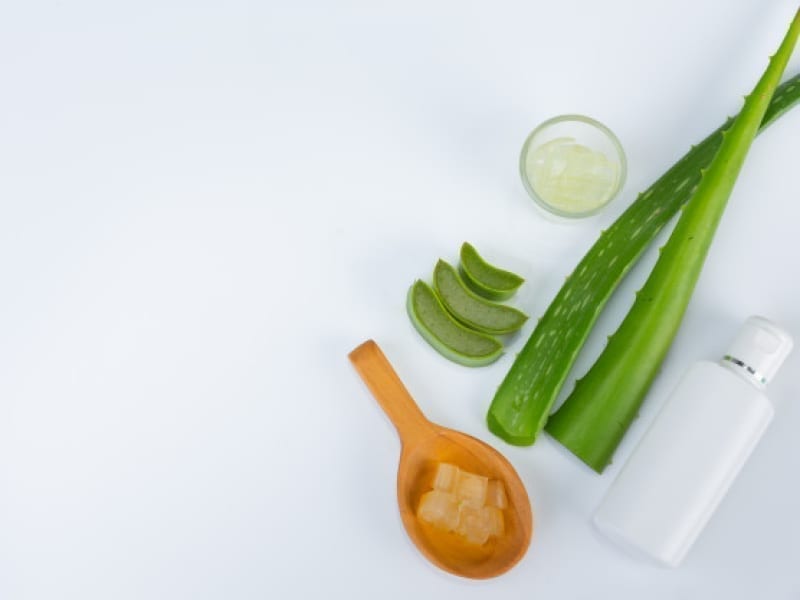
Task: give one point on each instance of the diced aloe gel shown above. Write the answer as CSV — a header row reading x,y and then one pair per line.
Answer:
x,y
496,494
471,309
446,477
445,334
571,177
460,502
487,280
471,489
440,509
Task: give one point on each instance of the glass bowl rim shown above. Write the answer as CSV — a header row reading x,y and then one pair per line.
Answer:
x,y
572,117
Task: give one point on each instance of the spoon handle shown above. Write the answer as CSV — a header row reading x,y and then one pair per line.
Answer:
x,y
382,380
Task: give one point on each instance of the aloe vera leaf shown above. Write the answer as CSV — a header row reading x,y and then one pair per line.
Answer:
x,y
469,308
523,401
451,339
485,279
595,417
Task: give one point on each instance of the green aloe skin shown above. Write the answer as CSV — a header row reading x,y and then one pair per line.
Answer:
x,y
523,401
595,417
449,338
487,280
469,308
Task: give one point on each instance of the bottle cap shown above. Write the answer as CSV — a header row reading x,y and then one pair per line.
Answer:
x,y
760,348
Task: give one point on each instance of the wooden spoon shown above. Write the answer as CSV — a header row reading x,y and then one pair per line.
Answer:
x,y
424,444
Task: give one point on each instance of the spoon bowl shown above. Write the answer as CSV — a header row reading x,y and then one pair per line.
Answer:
x,y
424,445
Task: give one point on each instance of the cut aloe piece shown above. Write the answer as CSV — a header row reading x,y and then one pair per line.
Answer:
x,y
469,308
445,334
485,279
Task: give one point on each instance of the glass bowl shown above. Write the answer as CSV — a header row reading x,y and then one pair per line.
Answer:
x,y
572,166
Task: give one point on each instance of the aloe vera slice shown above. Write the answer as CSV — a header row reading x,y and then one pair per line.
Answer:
x,y
469,308
487,280
451,339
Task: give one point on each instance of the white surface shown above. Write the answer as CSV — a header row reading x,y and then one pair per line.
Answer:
x,y
679,472
205,206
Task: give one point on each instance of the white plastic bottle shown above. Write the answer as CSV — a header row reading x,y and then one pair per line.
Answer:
x,y
687,460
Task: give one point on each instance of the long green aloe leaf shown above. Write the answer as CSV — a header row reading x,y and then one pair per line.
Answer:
x,y
597,414
524,399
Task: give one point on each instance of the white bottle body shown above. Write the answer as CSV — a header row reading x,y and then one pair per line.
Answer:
x,y
685,463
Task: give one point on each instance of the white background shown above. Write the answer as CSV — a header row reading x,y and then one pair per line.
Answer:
x,y
205,205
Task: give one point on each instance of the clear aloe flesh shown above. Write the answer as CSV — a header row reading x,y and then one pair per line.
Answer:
x,y
571,177
523,401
